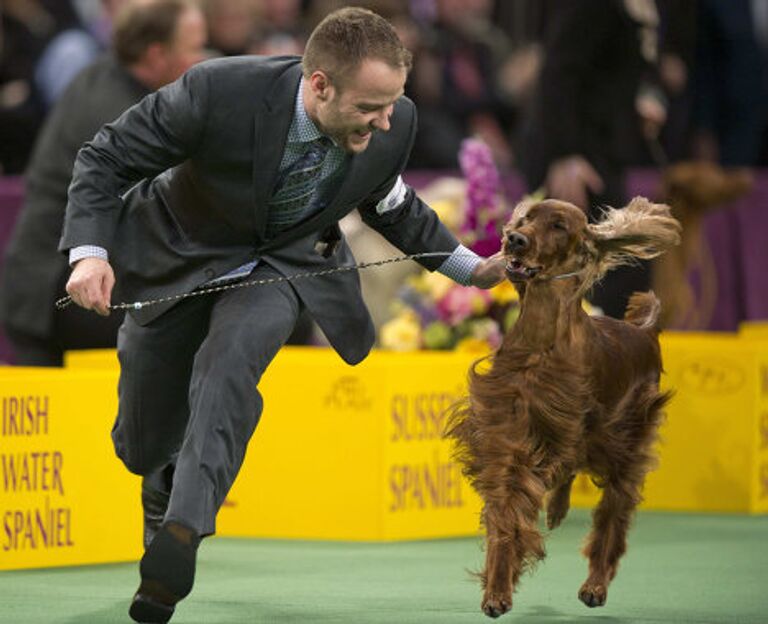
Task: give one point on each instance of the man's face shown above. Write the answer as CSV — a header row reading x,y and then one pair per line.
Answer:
x,y
187,47
363,105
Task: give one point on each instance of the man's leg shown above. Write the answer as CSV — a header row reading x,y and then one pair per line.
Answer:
x,y
247,328
156,364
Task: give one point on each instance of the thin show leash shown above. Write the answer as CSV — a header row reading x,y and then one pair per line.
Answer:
x,y
65,302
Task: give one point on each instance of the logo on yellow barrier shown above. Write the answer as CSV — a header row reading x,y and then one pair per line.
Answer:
x,y
710,376
348,393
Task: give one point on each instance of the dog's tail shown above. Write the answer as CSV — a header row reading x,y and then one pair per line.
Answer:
x,y
643,310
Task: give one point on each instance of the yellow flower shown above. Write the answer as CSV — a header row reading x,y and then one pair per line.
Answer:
x,y
451,213
480,302
504,293
402,333
434,284
473,345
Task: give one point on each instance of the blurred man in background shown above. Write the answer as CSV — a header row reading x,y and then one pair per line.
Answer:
x,y
596,102
154,42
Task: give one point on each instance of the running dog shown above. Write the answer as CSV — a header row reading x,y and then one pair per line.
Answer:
x,y
565,392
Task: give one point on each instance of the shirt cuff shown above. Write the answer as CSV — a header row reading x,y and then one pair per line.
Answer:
x,y
460,265
87,251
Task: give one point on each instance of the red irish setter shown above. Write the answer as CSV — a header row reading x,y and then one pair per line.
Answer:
x,y
565,392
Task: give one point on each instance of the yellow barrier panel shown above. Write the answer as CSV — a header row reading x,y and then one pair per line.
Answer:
x,y
64,498
350,453
754,330
354,453
709,442
96,358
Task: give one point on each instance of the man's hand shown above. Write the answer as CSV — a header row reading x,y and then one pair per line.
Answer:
x,y
489,272
569,179
90,284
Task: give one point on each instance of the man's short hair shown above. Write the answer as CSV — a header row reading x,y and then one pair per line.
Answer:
x,y
340,43
143,23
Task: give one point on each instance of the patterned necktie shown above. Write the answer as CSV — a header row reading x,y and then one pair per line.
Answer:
x,y
296,187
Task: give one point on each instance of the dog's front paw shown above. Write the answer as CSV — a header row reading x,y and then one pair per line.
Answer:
x,y
593,594
495,605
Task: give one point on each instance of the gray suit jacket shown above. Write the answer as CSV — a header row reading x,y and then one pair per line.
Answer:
x,y
196,163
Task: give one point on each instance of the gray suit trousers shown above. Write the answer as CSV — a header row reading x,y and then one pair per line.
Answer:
x,y
187,390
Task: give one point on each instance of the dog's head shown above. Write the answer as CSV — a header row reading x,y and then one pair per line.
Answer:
x,y
552,239
543,240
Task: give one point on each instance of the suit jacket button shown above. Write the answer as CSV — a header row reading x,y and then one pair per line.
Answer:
x,y
209,273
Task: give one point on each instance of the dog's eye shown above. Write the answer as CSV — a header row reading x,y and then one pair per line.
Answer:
x,y
559,225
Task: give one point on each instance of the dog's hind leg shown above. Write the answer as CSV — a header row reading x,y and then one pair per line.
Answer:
x,y
607,541
559,503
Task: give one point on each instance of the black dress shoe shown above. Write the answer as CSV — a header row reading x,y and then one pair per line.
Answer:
x,y
167,574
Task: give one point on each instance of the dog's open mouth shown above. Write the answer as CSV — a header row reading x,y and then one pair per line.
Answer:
x,y
517,271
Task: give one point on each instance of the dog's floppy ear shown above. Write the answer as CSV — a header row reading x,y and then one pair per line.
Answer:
x,y
640,230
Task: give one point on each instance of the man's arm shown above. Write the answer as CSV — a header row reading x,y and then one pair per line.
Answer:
x,y
152,136
159,132
410,225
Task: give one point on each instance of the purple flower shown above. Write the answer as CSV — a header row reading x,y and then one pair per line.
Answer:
x,y
482,224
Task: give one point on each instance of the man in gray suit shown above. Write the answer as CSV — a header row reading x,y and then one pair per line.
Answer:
x,y
242,167
153,43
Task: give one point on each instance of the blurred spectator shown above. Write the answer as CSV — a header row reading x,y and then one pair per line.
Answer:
x,y
731,80
677,54
455,84
232,24
282,29
155,41
75,48
523,21
595,102
26,27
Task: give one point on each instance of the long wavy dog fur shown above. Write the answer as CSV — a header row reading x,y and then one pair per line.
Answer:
x,y
565,392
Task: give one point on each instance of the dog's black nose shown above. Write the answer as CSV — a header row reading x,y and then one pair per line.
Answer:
x,y
517,241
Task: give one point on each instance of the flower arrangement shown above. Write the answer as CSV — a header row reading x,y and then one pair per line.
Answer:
x,y
433,312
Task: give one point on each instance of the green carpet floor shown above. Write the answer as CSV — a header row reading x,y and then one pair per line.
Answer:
x,y
707,569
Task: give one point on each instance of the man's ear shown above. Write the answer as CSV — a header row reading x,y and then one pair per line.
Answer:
x,y
641,230
320,84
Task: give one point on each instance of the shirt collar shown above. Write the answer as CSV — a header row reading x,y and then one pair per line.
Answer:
x,y
303,129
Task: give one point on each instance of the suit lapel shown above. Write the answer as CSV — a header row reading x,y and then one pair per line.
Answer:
x,y
272,121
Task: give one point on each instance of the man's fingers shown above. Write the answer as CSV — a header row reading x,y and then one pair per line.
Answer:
x,y
90,285
107,283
